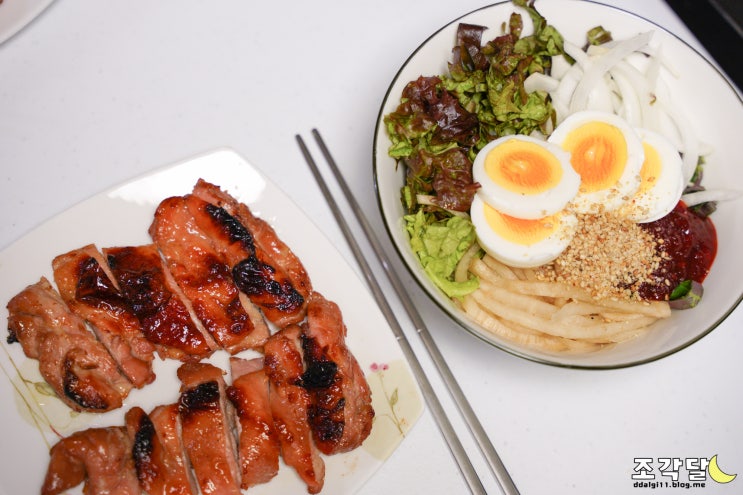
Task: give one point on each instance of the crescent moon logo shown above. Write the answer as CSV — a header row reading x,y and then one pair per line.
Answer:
x,y
718,474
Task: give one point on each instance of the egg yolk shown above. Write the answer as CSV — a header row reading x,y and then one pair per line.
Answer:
x,y
519,230
523,167
598,152
651,168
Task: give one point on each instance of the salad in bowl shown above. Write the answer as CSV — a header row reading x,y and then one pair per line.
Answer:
x,y
539,173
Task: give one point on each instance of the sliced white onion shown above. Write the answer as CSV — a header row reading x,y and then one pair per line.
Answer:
x,y
699,197
629,105
599,50
561,110
563,94
540,82
597,68
643,92
652,72
705,149
576,53
560,66
689,142
600,96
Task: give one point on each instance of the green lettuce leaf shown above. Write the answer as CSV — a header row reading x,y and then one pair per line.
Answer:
x,y
440,245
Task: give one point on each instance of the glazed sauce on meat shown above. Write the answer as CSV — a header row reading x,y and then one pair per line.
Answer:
x,y
690,242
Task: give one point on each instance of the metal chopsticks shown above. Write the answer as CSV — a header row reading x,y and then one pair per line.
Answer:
x,y
486,447
455,446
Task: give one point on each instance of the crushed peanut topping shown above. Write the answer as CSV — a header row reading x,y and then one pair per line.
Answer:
x,y
610,257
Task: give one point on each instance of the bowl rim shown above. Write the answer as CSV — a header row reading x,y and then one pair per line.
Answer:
x,y
379,133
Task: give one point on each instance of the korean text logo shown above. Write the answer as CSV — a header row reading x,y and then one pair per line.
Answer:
x,y
678,472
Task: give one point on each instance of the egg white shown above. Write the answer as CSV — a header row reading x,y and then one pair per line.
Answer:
x,y
614,195
659,194
517,201
521,254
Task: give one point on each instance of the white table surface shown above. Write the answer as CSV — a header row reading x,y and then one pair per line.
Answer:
x,y
93,93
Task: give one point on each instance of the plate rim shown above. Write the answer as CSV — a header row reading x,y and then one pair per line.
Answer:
x,y
14,26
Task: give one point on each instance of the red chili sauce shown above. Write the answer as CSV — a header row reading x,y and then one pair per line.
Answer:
x,y
690,242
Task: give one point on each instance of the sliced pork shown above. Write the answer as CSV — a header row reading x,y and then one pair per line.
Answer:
x,y
263,266
341,412
290,404
211,278
165,318
205,278
99,457
87,287
208,422
157,451
259,446
71,360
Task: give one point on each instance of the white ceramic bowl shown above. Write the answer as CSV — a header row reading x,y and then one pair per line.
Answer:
x,y
703,94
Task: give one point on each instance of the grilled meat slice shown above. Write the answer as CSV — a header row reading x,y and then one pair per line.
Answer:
x,y
267,287
159,457
167,421
263,265
164,316
208,422
99,457
87,287
341,412
205,278
280,303
290,404
259,442
71,360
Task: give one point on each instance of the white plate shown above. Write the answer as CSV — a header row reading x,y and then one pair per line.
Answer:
x,y
16,14
121,217
702,94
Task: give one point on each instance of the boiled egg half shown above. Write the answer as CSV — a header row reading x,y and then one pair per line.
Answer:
x,y
519,211
608,155
525,177
661,180
519,242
